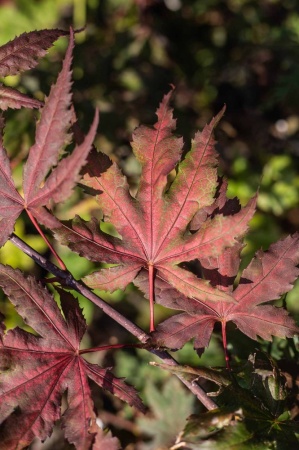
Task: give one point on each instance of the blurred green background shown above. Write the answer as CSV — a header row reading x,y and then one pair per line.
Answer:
x,y
241,53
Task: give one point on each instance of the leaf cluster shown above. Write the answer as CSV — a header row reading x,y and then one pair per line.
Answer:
x,y
178,239
253,414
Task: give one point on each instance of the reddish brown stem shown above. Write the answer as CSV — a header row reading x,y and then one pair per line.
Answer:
x,y
151,295
60,262
223,324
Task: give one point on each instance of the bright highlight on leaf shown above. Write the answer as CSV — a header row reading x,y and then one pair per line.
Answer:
x,y
52,134
155,224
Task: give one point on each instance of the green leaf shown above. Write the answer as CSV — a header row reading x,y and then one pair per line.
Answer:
x,y
169,410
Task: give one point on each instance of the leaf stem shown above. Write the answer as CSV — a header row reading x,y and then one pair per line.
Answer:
x,y
67,279
224,341
60,262
151,295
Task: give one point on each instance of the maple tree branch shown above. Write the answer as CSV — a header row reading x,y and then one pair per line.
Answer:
x,y
143,337
67,280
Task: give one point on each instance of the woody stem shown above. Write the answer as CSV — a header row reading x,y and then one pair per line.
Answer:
x,y
68,280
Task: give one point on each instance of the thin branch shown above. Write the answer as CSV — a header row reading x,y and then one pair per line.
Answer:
x,y
67,280
79,286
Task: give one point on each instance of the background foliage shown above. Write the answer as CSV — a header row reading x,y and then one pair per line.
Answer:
x,y
239,52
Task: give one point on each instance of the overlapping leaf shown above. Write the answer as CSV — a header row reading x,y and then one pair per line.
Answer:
x,y
269,275
35,370
154,225
22,53
51,138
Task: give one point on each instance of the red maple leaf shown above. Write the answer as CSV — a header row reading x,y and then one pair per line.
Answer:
x,y
51,138
36,370
22,53
154,224
269,275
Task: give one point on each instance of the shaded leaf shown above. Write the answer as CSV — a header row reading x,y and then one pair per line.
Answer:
x,y
227,436
22,53
35,370
253,412
163,424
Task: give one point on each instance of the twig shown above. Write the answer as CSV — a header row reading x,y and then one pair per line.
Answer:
x,y
143,337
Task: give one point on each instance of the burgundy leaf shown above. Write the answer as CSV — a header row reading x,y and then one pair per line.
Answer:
x,y
37,369
12,98
268,276
264,321
23,52
179,329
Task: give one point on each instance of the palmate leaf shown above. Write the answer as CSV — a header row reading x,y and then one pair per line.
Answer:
x,y
51,138
23,53
35,371
268,276
168,413
154,225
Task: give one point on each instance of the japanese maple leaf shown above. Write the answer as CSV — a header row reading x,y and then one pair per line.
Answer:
x,y
154,224
36,370
51,137
22,53
269,275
